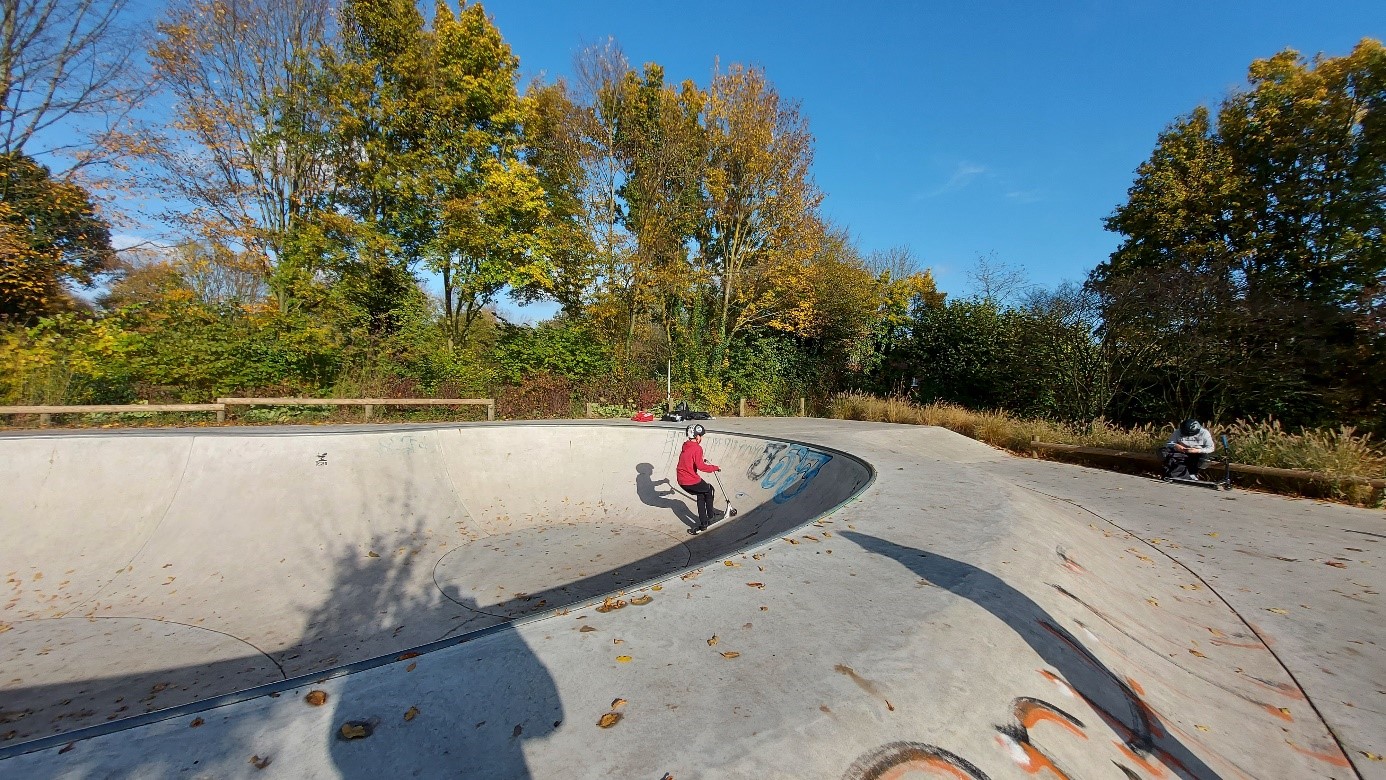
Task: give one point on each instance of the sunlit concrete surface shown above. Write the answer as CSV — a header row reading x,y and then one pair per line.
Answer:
x,y
968,614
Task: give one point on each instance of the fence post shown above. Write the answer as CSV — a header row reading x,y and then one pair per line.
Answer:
x,y
743,407
369,409
491,410
589,409
221,415
45,420
801,407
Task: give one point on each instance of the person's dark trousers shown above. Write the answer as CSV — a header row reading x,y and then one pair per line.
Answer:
x,y
1182,464
704,492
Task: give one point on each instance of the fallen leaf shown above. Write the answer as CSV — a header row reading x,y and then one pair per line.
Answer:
x,y
1152,601
656,588
1213,534
756,584
690,575
618,641
67,747
1370,755
812,538
196,722
791,541
758,556
731,654
316,698
1277,610
610,719
1192,586
406,656
617,704
1200,727
260,763
411,713
1196,653
372,554
713,641
609,604
1338,564
623,659
641,601
355,730
586,630
730,563
411,667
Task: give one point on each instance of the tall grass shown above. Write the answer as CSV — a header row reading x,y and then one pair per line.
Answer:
x,y
1338,453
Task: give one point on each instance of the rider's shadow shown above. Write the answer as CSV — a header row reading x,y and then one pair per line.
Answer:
x,y
646,488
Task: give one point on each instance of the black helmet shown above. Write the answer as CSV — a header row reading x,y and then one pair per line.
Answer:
x,y
694,431
1190,427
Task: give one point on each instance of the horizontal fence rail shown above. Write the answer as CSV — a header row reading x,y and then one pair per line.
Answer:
x,y
368,403
45,413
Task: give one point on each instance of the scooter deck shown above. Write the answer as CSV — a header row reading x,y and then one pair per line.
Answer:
x,y
1198,483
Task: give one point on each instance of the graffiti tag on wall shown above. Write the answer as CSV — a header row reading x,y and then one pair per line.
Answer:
x,y
786,468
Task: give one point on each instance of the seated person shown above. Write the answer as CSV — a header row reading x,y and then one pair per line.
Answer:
x,y
1187,450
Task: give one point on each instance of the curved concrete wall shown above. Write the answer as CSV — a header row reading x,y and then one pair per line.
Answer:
x,y
149,571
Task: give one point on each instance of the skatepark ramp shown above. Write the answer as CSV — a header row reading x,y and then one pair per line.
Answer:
x,y
150,570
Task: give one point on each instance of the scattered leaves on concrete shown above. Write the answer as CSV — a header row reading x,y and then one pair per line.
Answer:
x,y
642,600
760,585
690,575
622,659
1277,610
610,604
196,722
411,667
1200,727
712,641
656,588
411,713
406,656
610,719
1196,653
316,698
586,630
731,654
1338,564
1371,756
617,704
1152,601
791,541
730,563
372,554
260,763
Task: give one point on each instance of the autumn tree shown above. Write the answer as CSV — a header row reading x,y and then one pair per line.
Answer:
x,y
241,148
69,64
51,240
760,225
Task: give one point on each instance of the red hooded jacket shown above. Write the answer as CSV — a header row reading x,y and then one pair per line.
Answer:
x,y
691,461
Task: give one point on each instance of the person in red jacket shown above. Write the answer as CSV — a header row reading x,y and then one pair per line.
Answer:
x,y
691,461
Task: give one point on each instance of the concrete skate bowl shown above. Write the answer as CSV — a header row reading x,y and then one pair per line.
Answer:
x,y
147,574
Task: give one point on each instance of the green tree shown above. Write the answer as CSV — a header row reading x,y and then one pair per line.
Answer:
x,y
1253,251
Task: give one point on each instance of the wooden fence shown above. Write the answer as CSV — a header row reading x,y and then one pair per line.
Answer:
x,y
45,413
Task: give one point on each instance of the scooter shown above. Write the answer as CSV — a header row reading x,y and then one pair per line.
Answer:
x,y
1224,484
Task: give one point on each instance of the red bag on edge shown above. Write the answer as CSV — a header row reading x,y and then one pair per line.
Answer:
x,y
643,417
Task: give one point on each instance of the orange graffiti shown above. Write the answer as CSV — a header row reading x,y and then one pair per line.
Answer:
x,y
1336,758
1135,686
1282,713
1035,760
1031,711
1158,770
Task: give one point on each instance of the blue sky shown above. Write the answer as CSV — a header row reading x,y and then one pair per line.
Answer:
x,y
960,129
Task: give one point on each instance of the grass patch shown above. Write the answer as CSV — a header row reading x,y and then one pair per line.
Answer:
x,y
1338,453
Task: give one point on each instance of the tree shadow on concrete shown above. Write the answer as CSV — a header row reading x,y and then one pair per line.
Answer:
x,y
466,711
650,495
1109,695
